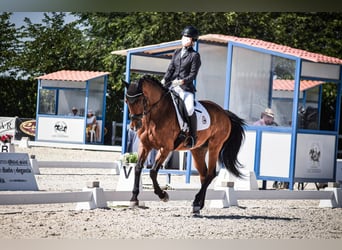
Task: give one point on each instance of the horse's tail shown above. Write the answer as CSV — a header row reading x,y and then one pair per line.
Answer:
x,y
231,147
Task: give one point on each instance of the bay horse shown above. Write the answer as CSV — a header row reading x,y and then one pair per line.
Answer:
x,y
153,116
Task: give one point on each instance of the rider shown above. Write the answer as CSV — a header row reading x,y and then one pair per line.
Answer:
x,y
181,73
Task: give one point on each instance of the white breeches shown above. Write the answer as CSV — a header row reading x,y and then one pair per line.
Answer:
x,y
188,99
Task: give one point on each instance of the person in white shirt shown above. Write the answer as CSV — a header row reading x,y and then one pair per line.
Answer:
x,y
91,124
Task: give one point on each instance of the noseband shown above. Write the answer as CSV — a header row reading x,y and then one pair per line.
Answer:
x,y
133,99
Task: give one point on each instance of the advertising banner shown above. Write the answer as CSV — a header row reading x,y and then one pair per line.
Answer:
x,y
25,127
61,129
16,172
315,157
7,126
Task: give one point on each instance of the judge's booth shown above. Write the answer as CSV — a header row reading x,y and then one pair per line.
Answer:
x,y
58,94
302,144
247,76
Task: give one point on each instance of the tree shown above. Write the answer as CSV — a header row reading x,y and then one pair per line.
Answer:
x,y
86,43
50,46
15,99
8,43
39,49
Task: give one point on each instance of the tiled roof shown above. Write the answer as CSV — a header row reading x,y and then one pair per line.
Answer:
x,y
73,75
310,56
224,39
288,85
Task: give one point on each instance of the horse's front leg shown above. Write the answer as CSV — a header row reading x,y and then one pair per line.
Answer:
x,y
137,175
154,174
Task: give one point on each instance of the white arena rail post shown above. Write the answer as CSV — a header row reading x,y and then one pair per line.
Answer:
x,y
336,199
34,164
98,198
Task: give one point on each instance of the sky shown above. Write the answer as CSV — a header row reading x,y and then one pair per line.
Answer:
x,y
36,17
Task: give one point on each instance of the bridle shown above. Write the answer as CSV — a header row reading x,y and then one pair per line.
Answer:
x,y
146,111
133,99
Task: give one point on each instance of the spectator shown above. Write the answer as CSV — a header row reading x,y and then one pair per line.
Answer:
x,y
91,125
266,119
74,112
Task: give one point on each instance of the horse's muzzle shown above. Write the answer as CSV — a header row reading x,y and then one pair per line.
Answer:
x,y
136,122
136,125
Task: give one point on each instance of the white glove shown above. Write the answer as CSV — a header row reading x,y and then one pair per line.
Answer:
x,y
176,83
162,81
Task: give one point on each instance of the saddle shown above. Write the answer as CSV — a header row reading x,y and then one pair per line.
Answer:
x,y
203,118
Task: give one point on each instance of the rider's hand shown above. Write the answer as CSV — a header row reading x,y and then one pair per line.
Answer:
x,y
176,83
163,81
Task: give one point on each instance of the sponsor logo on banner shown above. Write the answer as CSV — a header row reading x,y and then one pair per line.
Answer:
x,y
28,127
314,158
60,127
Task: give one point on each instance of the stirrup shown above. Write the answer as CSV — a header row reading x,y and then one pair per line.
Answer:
x,y
189,142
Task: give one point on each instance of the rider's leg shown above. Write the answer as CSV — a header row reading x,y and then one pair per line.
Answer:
x,y
189,104
193,129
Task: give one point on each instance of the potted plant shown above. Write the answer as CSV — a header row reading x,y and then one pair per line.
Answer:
x,y
129,158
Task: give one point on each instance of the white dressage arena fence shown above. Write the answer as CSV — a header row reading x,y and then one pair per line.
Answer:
x,y
95,197
36,165
221,196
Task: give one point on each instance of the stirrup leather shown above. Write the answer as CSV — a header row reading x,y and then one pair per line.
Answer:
x,y
189,141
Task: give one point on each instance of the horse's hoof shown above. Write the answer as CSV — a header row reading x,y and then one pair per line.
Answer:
x,y
133,204
166,197
196,215
196,209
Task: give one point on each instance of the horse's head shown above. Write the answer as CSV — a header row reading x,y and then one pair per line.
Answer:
x,y
141,97
135,103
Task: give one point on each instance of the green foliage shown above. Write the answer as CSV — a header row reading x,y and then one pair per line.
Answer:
x,y
130,157
85,44
328,106
50,46
8,43
18,97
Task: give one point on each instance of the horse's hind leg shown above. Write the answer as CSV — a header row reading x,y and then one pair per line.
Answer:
x,y
206,175
157,190
200,164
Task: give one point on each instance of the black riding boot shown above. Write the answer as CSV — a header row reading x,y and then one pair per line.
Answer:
x,y
192,138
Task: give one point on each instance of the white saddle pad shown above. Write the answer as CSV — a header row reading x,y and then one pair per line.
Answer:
x,y
203,118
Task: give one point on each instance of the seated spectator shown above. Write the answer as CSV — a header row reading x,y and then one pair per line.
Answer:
x,y
266,119
91,125
74,112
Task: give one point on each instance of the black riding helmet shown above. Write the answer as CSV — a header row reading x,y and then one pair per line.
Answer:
x,y
190,31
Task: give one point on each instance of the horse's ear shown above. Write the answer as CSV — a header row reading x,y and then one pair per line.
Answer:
x,y
126,83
